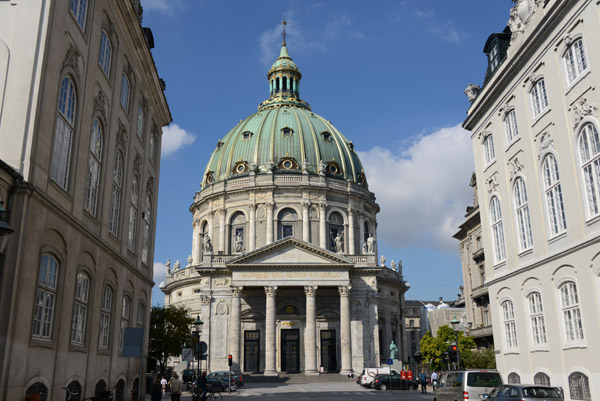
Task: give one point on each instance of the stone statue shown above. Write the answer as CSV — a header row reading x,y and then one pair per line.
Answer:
x,y
239,243
190,260
382,260
472,91
168,264
399,269
207,244
393,351
176,265
393,265
371,244
339,243
365,248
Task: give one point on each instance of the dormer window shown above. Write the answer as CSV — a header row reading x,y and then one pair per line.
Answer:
x,y
288,163
240,167
333,168
246,135
220,144
287,131
326,136
494,57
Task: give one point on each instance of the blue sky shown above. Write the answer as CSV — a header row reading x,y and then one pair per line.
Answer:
x,y
389,75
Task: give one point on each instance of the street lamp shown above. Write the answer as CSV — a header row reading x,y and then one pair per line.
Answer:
x,y
196,332
455,322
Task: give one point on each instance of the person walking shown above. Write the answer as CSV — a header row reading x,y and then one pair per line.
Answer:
x,y
203,386
423,379
163,384
175,385
156,393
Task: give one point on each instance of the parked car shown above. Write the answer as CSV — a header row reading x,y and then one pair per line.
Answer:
x,y
368,374
188,375
215,384
524,392
236,377
394,382
466,384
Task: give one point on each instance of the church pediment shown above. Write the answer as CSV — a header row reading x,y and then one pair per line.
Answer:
x,y
290,252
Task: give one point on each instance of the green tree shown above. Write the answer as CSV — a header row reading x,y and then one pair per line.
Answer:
x,y
433,348
479,358
169,332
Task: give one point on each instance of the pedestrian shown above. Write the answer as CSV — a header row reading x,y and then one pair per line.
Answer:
x,y
163,384
423,379
434,380
203,385
157,392
175,385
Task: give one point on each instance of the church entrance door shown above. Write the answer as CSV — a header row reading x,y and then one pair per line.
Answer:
x,y
328,353
251,351
290,347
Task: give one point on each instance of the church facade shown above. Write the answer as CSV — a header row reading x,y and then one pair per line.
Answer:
x,y
283,270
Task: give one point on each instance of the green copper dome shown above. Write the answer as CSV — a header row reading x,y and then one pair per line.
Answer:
x,y
284,136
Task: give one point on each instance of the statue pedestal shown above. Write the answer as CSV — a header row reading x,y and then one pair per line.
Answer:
x,y
397,365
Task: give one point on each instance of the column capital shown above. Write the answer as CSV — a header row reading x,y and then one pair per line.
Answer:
x,y
269,203
323,204
305,203
205,299
344,290
310,291
251,204
236,291
270,291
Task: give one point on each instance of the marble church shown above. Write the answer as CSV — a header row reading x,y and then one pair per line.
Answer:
x,y
283,269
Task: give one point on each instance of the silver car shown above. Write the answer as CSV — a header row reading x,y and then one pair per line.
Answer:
x,y
524,392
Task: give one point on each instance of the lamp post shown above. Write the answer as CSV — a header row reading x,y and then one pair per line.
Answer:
x,y
455,322
196,332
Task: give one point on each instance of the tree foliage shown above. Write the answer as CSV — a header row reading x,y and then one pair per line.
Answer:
x,y
433,348
169,332
479,358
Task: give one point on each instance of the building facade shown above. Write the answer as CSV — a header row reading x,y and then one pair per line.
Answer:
x,y
283,269
474,294
81,115
534,127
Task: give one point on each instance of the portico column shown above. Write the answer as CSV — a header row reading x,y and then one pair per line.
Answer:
x,y
305,222
269,206
196,243
361,232
205,301
252,239
351,232
344,291
222,230
322,226
310,339
234,329
270,351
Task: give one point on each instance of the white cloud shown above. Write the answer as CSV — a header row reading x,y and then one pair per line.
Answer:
x,y
160,5
160,272
422,189
445,30
174,138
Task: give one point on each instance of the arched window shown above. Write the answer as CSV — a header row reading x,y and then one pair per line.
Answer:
x,y
539,99
541,379
497,230
125,89
141,315
141,121
153,139
488,149
45,298
94,166
120,390
79,11
115,204
38,389
99,388
575,60
514,378
146,232
571,311
133,212
125,313
63,136
510,328
80,309
287,219
105,313
237,238
579,386
75,392
536,314
105,53
510,126
554,200
336,229
589,149
522,214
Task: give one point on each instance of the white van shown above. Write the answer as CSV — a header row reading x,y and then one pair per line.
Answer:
x,y
368,374
466,384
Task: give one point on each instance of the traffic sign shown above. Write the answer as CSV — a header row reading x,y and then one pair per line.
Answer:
x,y
390,361
201,348
186,355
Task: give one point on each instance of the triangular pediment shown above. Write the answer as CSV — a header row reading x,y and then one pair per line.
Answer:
x,y
290,251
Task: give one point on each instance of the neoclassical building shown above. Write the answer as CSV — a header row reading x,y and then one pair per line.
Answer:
x,y
534,126
283,269
81,113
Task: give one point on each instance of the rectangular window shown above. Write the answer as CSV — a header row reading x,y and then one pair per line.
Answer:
x,y
536,313
43,315
105,53
539,99
125,86
510,126
80,309
510,328
79,10
571,312
575,61
488,149
105,312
